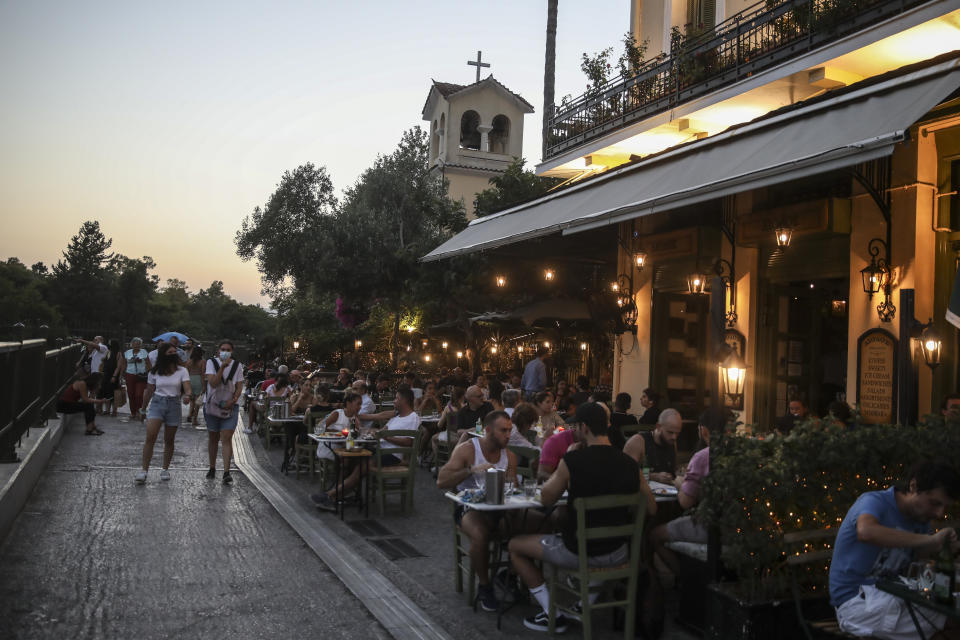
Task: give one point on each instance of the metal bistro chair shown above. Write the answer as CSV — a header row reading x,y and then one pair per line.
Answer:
x,y
585,574
272,430
397,479
305,453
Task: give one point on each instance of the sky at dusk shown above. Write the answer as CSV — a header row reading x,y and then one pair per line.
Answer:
x,y
169,122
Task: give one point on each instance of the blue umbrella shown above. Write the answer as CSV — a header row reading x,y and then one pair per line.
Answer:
x,y
165,337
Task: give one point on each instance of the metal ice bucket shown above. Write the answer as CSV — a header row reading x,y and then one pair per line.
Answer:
x,y
494,485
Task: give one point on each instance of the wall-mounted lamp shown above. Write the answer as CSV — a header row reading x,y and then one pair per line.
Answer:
x,y
493,350
501,281
876,277
640,259
459,354
931,344
733,374
426,357
546,344
296,344
445,345
357,344
583,346
519,348
549,274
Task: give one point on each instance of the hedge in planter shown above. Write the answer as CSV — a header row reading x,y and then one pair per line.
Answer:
x,y
760,489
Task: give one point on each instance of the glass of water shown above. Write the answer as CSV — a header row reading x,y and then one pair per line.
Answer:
x,y
530,487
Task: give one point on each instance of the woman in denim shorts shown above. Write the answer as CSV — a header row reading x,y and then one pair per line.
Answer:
x,y
166,382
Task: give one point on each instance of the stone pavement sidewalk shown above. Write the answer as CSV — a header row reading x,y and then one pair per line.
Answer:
x,y
93,555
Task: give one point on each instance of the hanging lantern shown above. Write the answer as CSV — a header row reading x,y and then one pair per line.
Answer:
x,y
357,344
874,278
931,345
459,354
493,350
615,287
426,357
640,259
583,346
733,374
296,344
520,348
445,345
549,274
501,281
697,283
783,233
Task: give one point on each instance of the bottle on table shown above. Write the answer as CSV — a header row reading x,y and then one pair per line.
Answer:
x,y
349,444
479,427
539,428
944,575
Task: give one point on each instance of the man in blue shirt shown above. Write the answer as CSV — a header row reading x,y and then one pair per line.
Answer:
x,y
878,538
535,375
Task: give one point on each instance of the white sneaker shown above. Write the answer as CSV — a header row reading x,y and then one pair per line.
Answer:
x,y
164,475
141,477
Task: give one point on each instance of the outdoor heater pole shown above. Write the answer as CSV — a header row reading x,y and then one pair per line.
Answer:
x,y
718,304
907,391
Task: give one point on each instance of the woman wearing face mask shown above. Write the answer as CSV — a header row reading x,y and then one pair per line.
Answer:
x,y
220,411
165,383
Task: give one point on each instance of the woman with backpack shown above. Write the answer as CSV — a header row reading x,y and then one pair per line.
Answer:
x,y
166,383
220,411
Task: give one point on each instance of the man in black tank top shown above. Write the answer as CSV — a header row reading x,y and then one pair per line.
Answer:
x,y
596,469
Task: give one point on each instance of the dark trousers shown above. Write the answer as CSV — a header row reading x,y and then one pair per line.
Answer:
x,y
88,410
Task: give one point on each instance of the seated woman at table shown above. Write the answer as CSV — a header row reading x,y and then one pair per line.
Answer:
x,y
402,419
303,399
543,402
448,417
429,402
281,387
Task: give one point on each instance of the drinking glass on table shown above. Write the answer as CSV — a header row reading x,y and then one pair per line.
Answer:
x,y
508,488
529,487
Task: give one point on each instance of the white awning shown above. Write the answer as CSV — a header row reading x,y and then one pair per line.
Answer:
x,y
852,127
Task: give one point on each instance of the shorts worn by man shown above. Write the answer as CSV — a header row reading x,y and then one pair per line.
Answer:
x,y
879,537
596,469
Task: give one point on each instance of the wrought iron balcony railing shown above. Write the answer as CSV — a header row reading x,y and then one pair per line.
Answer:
x,y
758,38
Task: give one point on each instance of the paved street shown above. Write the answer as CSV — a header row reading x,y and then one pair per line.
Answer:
x,y
94,556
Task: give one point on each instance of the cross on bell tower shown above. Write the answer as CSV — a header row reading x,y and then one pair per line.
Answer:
x,y
478,64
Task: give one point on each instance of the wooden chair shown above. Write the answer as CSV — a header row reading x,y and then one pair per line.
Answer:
x,y
632,532
527,460
808,551
445,447
396,479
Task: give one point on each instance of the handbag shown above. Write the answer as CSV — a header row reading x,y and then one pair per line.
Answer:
x,y
119,397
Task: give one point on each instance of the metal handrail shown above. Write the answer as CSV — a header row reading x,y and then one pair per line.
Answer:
x,y
757,38
31,381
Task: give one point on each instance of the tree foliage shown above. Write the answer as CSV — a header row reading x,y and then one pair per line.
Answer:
x,y
283,236
514,186
94,291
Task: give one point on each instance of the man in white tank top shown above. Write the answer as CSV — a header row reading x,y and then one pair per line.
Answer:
x,y
466,470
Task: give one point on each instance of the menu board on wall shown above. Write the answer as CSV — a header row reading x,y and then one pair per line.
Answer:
x,y
876,376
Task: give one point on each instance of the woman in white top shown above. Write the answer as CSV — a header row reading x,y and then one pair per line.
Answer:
x,y
340,419
280,388
166,382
